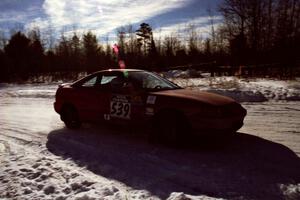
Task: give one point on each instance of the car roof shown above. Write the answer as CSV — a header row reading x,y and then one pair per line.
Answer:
x,y
116,70
120,70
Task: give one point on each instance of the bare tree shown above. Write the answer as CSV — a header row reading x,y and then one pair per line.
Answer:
x,y
234,12
3,40
171,44
193,40
212,30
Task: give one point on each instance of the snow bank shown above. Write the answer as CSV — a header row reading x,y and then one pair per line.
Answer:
x,y
182,196
244,90
190,73
28,90
40,159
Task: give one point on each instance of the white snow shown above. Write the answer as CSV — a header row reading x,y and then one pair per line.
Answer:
x,y
41,159
245,90
240,89
28,90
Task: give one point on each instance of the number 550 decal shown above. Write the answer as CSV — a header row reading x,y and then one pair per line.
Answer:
x,y
120,109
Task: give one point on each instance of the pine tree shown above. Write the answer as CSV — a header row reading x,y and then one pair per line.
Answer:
x,y
18,52
91,51
145,38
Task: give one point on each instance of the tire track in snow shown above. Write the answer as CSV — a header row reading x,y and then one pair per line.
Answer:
x,y
39,175
32,172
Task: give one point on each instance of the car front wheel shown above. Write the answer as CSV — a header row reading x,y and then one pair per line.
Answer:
x,y
70,117
170,128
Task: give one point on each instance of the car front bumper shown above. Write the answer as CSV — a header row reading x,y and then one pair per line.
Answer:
x,y
228,124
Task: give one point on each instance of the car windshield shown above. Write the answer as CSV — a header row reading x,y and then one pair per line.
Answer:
x,y
150,81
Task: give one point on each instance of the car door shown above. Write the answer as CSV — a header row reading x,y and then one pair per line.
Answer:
x,y
127,102
88,98
96,102
117,107
104,88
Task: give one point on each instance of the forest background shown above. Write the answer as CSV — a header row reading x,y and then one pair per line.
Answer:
x,y
255,38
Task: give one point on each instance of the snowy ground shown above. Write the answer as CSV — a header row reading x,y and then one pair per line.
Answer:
x,y
40,159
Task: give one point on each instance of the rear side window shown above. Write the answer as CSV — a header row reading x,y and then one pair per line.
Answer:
x,y
107,79
112,81
101,80
90,83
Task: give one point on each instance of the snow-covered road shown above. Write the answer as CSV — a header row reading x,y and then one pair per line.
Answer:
x,y
40,159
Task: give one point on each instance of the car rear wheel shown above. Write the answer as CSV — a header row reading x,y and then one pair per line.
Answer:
x,y
170,128
70,117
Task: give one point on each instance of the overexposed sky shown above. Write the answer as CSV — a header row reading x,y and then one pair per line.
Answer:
x,y
104,17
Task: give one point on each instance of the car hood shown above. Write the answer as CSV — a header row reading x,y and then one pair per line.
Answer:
x,y
205,97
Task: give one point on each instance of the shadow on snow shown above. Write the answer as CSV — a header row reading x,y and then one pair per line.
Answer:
x,y
248,166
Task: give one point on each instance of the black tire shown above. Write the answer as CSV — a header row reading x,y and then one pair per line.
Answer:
x,y
229,135
170,128
70,117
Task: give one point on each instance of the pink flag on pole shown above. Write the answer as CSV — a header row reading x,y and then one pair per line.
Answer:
x,y
116,49
122,64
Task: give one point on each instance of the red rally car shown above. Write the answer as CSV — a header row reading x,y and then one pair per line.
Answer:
x,y
140,97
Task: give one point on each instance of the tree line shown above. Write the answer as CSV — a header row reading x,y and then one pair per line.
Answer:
x,y
262,31
254,32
